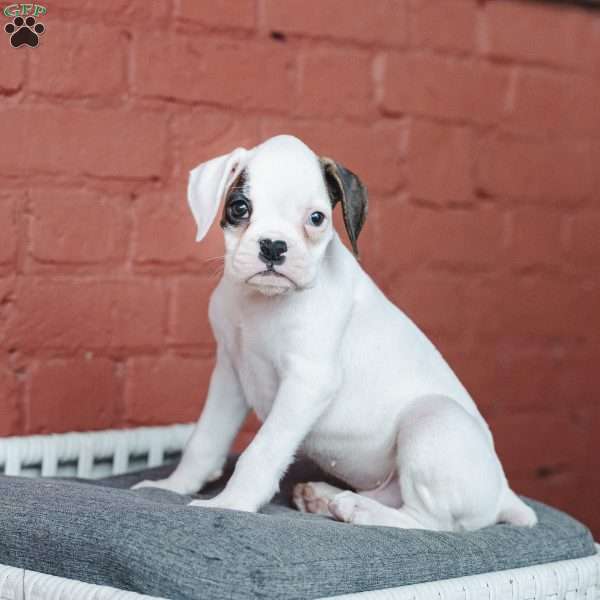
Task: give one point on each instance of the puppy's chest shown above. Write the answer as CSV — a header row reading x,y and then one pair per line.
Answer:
x,y
255,351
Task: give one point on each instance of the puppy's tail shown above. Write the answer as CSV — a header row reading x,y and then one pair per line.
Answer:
x,y
513,510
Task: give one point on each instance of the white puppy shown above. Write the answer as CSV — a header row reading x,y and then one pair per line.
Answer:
x,y
331,367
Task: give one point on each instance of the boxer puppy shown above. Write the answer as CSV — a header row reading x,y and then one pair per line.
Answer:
x,y
330,366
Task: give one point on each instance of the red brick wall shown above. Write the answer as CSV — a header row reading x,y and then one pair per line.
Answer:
x,y
476,126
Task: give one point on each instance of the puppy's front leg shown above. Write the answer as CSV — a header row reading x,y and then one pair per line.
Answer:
x,y
300,400
206,451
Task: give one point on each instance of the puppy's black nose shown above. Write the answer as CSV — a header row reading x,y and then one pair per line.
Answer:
x,y
271,252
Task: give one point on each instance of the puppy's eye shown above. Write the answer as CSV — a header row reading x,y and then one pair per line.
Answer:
x,y
238,210
316,219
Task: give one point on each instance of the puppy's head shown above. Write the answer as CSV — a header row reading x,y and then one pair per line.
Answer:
x,y
277,203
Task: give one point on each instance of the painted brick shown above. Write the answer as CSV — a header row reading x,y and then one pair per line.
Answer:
x,y
551,104
162,69
77,227
73,395
535,237
514,379
540,308
219,14
443,25
352,73
71,314
8,227
384,22
86,68
10,408
511,166
540,32
105,143
164,228
572,381
117,11
7,288
584,244
169,389
445,87
12,74
189,325
138,315
443,238
590,42
528,443
439,162
593,149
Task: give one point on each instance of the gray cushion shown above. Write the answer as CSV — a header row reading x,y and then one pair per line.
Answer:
x,y
149,541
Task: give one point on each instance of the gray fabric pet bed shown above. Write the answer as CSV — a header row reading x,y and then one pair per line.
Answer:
x,y
149,541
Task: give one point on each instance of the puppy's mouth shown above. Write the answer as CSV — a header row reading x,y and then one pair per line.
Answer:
x,y
271,277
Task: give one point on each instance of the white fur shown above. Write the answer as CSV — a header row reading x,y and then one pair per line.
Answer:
x,y
331,367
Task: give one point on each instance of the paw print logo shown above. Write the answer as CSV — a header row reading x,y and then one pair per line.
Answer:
x,y
24,31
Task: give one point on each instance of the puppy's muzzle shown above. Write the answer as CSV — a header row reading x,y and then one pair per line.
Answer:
x,y
272,252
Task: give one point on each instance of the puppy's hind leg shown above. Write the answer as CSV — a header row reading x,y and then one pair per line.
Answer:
x,y
361,510
449,472
514,511
314,497
449,476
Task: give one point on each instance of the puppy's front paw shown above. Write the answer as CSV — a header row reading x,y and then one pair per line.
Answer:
x,y
171,485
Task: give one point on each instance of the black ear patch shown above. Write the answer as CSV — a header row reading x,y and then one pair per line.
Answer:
x,y
343,185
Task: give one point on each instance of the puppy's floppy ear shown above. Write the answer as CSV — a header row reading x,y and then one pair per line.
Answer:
x,y
207,185
344,185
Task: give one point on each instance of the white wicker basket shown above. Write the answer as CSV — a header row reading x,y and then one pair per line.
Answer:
x,y
97,454
19,584
92,454
577,579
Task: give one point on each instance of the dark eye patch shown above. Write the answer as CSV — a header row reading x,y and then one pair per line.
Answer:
x,y
238,207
